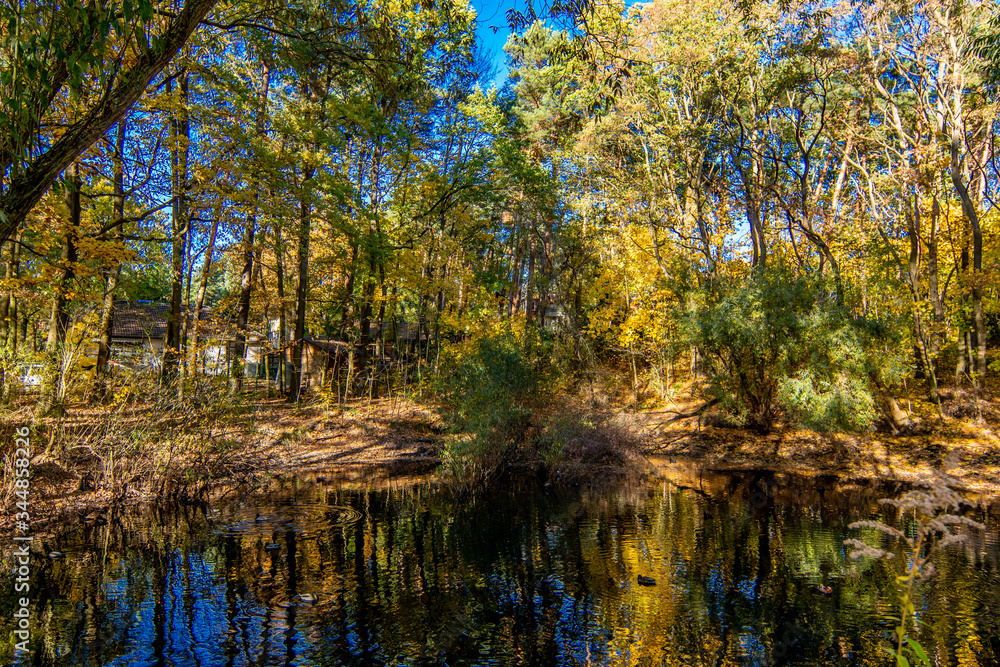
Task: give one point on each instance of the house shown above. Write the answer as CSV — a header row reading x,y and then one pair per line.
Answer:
x,y
139,331
554,315
396,335
321,360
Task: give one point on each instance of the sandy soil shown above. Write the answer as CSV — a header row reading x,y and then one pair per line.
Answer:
x,y
385,437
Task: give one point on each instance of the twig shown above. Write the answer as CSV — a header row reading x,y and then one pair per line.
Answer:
x,y
664,445
686,415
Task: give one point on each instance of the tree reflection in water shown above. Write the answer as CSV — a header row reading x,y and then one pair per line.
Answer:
x,y
518,575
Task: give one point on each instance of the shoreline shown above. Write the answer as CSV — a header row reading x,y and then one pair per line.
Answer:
x,y
384,441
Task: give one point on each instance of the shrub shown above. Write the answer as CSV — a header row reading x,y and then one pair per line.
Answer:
x,y
577,445
489,396
843,404
779,342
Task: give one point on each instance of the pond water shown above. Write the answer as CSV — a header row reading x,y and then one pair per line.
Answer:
x,y
527,574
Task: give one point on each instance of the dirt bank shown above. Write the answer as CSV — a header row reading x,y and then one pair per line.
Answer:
x,y
970,449
202,456
123,459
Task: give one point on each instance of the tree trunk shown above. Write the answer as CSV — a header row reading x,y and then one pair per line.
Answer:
x,y
246,275
759,257
180,228
206,270
28,186
515,283
112,272
8,323
911,211
279,272
529,296
243,309
969,210
962,359
5,298
936,331
346,317
548,255
52,380
186,308
381,308
302,288
951,111
366,319
962,370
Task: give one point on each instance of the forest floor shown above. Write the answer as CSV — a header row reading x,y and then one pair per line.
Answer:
x,y
116,459
961,439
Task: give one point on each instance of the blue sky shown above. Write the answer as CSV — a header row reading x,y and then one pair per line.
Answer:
x,y
492,13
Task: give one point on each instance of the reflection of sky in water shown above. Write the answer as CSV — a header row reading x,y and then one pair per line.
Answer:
x,y
519,576
752,649
747,589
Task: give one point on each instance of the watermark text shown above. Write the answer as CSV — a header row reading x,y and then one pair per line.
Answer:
x,y
22,540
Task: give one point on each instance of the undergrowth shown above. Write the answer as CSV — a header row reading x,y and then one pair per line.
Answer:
x,y
490,396
147,443
504,416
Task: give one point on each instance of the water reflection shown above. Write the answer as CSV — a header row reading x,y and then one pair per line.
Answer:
x,y
520,576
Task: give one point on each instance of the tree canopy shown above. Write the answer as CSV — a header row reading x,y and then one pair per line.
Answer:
x,y
795,201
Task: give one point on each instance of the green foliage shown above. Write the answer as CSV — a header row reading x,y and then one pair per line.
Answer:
x,y
779,342
45,46
149,282
846,403
490,395
986,45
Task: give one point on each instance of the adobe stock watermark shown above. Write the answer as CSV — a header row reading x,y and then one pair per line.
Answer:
x,y
22,541
786,639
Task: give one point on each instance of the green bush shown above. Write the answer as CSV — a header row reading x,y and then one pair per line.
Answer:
x,y
489,396
844,404
781,343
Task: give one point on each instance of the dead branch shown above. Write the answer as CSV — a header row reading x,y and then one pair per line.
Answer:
x,y
664,445
686,415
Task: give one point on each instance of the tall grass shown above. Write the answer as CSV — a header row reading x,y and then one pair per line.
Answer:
x,y
935,527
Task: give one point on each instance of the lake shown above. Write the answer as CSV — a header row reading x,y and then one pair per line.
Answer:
x,y
523,573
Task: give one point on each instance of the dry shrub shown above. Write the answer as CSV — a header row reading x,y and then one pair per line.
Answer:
x,y
720,419
145,445
576,446
962,403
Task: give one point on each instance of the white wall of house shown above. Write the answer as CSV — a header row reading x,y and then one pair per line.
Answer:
x,y
147,353
213,359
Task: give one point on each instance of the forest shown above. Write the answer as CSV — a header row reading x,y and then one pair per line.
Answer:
x,y
780,211
607,247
